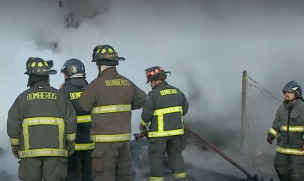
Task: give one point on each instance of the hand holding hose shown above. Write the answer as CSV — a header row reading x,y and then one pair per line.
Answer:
x,y
143,132
71,147
270,138
15,150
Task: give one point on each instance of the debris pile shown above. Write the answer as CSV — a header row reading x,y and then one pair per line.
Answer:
x,y
141,163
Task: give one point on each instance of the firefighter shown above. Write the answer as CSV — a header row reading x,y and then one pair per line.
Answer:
x,y
288,129
80,163
42,126
110,98
164,110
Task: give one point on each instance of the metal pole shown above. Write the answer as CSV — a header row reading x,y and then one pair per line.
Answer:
x,y
243,118
218,151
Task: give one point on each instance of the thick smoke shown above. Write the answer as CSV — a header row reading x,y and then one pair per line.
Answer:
x,y
205,44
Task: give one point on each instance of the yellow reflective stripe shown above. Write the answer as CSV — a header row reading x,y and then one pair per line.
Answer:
x,y
84,119
111,138
15,141
111,109
84,146
292,128
166,133
273,132
179,175
71,137
43,121
43,152
157,179
168,110
160,119
142,122
289,151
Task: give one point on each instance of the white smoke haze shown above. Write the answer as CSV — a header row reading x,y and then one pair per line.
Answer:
x,y
210,42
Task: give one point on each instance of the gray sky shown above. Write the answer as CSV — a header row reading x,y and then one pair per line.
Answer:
x,y
213,40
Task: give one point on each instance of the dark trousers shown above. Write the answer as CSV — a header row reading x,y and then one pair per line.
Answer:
x,y
289,167
46,168
173,146
112,161
80,166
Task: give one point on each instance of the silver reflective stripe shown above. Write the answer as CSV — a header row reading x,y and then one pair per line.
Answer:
x,y
160,115
14,141
71,137
179,175
157,178
43,152
292,128
84,119
168,110
166,133
87,146
111,109
111,138
43,121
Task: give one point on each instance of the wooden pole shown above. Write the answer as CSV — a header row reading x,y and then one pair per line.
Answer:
x,y
243,118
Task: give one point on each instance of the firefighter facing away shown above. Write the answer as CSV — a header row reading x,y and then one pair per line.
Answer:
x,y
80,162
42,126
289,131
164,110
110,98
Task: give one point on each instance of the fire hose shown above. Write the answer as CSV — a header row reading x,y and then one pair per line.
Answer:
x,y
249,176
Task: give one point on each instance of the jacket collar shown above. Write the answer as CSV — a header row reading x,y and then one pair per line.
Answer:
x,y
40,84
80,82
110,70
290,105
163,83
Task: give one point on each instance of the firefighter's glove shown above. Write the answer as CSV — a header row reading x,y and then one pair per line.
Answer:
x,y
270,138
71,148
15,150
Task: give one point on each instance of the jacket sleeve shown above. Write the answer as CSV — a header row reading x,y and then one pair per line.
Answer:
x,y
185,105
14,121
139,98
148,110
70,120
275,129
89,97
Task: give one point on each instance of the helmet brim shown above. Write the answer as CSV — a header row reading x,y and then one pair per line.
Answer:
x,y
117,58
52,72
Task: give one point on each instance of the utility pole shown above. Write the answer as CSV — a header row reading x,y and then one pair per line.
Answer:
x,y
243,114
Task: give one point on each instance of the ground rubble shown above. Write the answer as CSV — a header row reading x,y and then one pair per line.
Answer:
x,y
202,164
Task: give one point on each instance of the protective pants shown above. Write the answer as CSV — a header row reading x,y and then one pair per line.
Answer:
x,y
46,168
80,166
157,149
112,161
289,167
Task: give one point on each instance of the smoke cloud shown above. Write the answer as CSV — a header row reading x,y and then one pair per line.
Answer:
x,y
205,44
